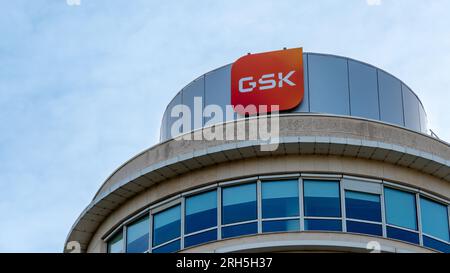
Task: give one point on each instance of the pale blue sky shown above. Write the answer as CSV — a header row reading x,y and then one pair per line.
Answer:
x,y
83,88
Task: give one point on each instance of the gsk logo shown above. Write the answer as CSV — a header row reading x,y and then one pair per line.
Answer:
x,y
271,78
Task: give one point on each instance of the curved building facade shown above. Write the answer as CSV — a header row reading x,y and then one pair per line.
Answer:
x,y
353,170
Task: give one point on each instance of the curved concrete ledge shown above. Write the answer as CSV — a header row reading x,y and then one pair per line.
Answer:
x,y
300,134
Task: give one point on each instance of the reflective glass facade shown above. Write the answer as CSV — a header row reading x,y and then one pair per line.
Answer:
x,y
288,205
333,85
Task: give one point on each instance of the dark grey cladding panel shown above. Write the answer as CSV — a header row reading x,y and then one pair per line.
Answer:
x,y
411,108
328,85
333,85
195,89
391,104
363,85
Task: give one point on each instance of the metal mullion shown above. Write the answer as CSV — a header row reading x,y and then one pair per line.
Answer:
x,y
124,239
150,233
383,213
301,204
419,218
280,218
183,208
402,228
166,243
199,231
240,223
219,213
259,205
363,221
342,201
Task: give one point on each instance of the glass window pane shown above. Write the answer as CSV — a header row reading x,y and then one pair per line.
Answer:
x,y
404,235
364,228
201,212
411,106
322,198
323,225
363,90
400,208
115,244
435,244
171,120
434,219
200,238
363,206
280,199
218,90
391,106
192,90
239,230
239,203
169,248
166,225
283,225
328,84
137,236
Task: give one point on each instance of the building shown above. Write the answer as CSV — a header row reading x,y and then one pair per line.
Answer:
x,y
354,169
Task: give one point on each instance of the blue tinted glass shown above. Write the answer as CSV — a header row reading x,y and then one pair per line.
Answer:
x,y
435,244
323,225
169,248
363,206
218,89
166,225
364,228
137,236
322,198
328,84
200,238
403,235
280,199
171,120
391,105
283,225
201,212
411,106
434,219
363,90
239,230
115,245
423,119
194,89
400,208
239,203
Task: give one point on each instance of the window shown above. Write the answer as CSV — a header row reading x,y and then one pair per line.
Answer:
x,y
323,225
115,244
137,236
400,215
322,198
280,199
239,205
166,227
434,218
366,207
280,225
201,214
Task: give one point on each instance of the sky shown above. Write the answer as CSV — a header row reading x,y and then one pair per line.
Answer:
x,y
84,83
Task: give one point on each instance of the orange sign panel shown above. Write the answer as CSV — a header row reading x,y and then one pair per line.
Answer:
x,y
266,79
